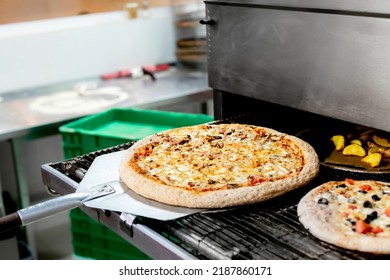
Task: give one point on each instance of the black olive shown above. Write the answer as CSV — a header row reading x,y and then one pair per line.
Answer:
x,y
375,197
351,221
323,201
370,217
367,204
387,225
341,186
361,191
373,215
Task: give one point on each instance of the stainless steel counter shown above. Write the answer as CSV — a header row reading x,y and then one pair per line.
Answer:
x,y
18,119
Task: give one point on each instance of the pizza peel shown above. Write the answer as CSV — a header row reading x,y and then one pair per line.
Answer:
x,y
100,188
105,169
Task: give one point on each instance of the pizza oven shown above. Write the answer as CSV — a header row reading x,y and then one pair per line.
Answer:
x,y
329,58
307,68
301,66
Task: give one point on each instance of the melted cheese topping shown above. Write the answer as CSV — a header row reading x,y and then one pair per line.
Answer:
x,y
358,207
213,157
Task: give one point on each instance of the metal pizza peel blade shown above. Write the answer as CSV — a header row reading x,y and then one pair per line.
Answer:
x,y
105,169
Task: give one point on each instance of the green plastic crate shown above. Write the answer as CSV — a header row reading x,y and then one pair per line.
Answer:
x,y
91,239
117,126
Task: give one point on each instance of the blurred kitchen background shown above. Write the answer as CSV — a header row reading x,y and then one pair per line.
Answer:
x,y
146,54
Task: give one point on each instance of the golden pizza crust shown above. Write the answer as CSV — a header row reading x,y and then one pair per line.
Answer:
x,y
320,222
161,192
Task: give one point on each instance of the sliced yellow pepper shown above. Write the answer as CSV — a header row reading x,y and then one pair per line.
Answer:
x,y
373,159
384,142
338,141
354,150
374,150
357,142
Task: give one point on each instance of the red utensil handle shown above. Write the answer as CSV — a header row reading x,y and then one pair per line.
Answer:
x,y
10,222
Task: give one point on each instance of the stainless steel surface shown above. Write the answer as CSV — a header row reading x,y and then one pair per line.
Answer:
x,y
376,6
327,63
17,119
149,241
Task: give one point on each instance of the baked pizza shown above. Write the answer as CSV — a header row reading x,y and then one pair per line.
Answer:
x,y
218,165
350,214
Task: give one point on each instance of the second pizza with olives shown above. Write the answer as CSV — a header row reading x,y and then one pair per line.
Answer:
x,y
353,214
218,165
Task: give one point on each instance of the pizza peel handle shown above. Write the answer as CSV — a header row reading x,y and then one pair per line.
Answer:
x,y
9,222
51,207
